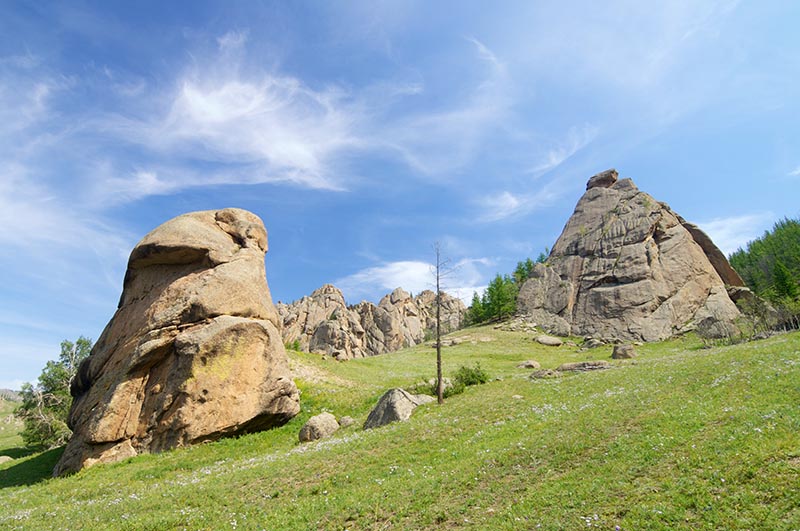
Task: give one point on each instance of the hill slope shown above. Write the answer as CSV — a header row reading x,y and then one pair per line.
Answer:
x,y
680,438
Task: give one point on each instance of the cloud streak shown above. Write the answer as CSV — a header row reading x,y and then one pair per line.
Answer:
x,y
415,276
733,233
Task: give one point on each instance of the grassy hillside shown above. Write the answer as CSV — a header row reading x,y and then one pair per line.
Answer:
x,y
680,438
9,429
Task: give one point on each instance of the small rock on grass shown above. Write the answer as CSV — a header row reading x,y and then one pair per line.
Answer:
x,y
623,352
545,374
550,341
318,427
584,366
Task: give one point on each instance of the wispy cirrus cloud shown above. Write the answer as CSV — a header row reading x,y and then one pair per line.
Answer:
x,y
504,205
438,141
271,128
577,138
732,233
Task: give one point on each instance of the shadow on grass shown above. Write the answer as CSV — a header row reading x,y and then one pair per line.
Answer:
x,y
32,470
18,453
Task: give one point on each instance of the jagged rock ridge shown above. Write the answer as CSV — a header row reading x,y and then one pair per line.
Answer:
x,y
323,323
627,267
193,352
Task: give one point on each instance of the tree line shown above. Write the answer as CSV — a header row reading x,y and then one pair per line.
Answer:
x,y
500,298
770,267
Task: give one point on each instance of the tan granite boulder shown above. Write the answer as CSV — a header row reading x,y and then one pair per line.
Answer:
x,y
193,352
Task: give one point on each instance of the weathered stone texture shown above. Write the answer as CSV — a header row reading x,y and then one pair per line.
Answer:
x,y
193,352
323,323
627,267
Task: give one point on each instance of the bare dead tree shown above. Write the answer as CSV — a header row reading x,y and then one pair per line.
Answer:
x,y
441,271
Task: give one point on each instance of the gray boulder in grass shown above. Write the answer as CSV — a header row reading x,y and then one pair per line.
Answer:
x,y
394,405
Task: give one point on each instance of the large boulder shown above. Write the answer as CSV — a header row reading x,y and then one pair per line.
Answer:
x,y
395,405
627,267
193,352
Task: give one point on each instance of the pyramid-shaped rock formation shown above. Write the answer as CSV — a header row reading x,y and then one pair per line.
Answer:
x,y
193,352
627,267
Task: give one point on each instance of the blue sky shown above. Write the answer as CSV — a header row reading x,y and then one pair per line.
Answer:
x,y
363,132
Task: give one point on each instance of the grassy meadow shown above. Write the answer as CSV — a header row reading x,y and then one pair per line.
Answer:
x,y
10,440
682,437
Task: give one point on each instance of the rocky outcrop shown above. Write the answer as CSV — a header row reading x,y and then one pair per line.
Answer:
x,y
627,267
323,323
193,352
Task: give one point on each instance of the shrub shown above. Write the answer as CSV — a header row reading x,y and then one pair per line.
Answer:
x,y
471,376
293,345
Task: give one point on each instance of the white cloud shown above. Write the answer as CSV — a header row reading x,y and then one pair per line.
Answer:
x,y
460,279
232,41
500,206
795,172
506,205
732,233
444,140
577,138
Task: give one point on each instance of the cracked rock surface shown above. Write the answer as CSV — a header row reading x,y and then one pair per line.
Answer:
x,y
193,352
627,267
323,323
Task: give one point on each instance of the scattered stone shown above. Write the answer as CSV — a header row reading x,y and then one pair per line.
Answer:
x,y
584,366
424,398
394,405
517,397
346,422
545,374
521,323
591,342
550,341
623,352
627,267
485,339
194,351
318,427
5,459
529,364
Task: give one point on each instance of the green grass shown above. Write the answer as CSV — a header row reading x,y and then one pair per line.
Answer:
x,y
10,440
679,438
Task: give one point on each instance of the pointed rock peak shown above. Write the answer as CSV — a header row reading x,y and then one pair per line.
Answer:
x,y
604,179
399,294
327,289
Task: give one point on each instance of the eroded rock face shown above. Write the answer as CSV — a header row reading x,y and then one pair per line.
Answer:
x,y
323,323
628,267
194,351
